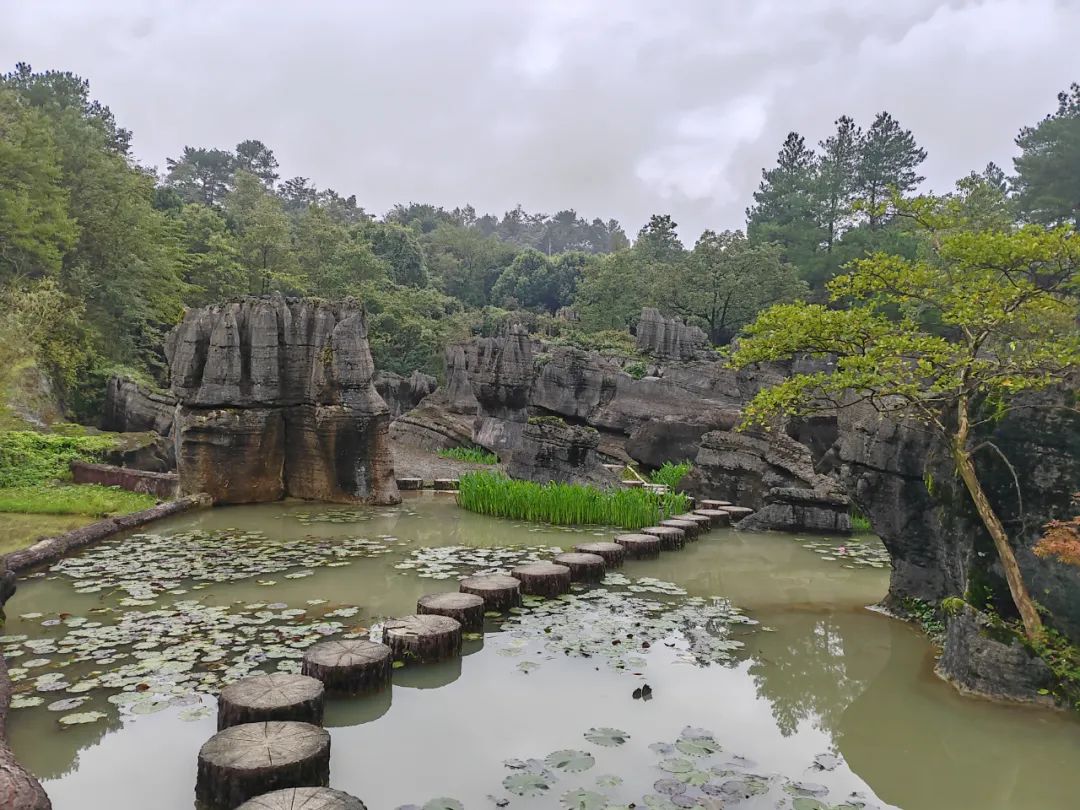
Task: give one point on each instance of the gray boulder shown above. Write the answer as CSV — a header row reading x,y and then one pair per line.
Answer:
x,y
551,450
131,407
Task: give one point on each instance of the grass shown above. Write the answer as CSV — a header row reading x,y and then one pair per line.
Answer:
x,y
671,474
565,504
20,531
476,455
860,523
90,500
28,458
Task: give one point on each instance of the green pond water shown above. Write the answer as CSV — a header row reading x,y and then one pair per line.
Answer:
x,y
771,684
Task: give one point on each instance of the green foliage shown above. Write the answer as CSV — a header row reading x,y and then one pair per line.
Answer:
x,y
399,249
409,327
29,459
1048,167
565,504
476,455
637,369
924,613
671,474
952,605
1063,658
547,420
860,523
76,499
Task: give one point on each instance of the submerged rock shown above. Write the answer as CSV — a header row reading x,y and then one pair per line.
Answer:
x,y
277,397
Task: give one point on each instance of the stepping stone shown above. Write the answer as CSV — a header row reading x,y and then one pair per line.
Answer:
x,y
632,484
498,591
583,567
718,516
710,504
639,546
277,696
467,608
349,666
543,579
445,484
423,639
410,484
689,527
304,799
242,762
738,512
703,521
671,538
612,553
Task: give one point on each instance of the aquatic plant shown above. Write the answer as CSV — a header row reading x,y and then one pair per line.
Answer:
x,y
476,455
565,504
860,523
671,474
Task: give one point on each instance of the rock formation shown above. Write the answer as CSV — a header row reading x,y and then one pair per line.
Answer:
x,y
276,397
130,407
668,338
900,479
773,474
551,450
402,394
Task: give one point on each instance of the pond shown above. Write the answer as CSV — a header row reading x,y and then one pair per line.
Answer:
x,y
769,683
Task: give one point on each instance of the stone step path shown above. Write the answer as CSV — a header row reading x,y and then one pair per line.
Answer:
x,y
543,579
639,546
276,696
612,553
410,484
424,639
349,666
703,522
467,608
671,538
738,512
718,516
689,528
583,567
711,504
498,591
304,799
445,484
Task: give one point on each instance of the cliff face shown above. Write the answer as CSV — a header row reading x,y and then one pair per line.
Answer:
x,y
276,397
669,338
900,478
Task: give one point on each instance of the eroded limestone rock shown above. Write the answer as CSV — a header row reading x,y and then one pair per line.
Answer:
x,y
668,337
551,450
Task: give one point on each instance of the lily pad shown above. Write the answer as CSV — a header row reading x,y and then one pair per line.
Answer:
x,y
443,803
582,799
81,718
570,761
527,784
607,737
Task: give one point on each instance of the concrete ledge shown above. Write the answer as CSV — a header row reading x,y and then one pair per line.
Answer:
x,y
160,485
50,549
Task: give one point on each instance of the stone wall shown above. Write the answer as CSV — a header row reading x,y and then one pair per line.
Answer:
x,y
162,486
277,397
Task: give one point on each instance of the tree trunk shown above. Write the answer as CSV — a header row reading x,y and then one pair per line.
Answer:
x,y
1020,596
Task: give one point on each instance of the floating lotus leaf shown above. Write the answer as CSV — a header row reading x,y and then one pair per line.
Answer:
x,y
81,718
608,780
605,736
443,803
26,701
66,705
700,747
807,803
527,784
570,761
655,802
582,799
677,765
669,787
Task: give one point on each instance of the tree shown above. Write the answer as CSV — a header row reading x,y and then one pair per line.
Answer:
x,y
785,209
257,158
201,175
981,316
399,248
614,289
658,242
264,239
726,281
1047,178
211,256
465,263
332,260
888,159
836,178
529,282
35,229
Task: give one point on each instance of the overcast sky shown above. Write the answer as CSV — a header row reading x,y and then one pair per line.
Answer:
x,y
617,108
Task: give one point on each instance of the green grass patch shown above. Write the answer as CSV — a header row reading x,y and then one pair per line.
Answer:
x,y
476,455
671,474
565,504
860,523
20,531
28,458
90,500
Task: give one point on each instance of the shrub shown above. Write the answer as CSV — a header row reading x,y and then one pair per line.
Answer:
x,y
636,369
671,474
28,458
860,523
477,455
565,504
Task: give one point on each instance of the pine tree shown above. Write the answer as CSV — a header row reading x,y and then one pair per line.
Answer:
x,y
1047,178
888,159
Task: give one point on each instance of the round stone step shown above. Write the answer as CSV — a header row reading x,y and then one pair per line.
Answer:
x,y
583,567
639,546
738,512
319,798
612,553
703,522
276,696
423,639
242,762
718,516
671,538
713,504
690,528
543,579
349,666
498,591
467,608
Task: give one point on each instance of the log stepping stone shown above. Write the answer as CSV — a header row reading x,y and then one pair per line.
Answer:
x,y
498,591
738,512
543,579
349,666
703,521
612,553
584,567
711,504
467,608
423,639
639,546
304,799
718,516
410,484
277,696
242,762
671,538
445,484
690,528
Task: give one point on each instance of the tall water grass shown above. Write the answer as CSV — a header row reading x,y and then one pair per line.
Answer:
x,y
565,504
477,455
671,474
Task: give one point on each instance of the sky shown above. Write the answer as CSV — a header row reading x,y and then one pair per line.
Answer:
x,y
616,108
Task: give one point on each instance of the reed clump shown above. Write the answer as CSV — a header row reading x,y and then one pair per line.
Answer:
x,y
565,504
